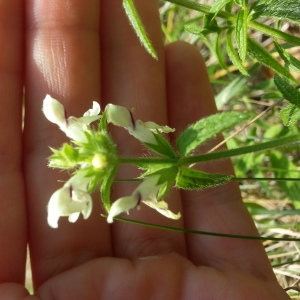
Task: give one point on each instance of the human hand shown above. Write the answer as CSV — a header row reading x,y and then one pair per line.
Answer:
x,y
80,51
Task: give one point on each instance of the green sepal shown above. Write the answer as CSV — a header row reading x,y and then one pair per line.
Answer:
x,y
167,173
138,27
64,158
162,146
97,142
166,178
204,129
191,179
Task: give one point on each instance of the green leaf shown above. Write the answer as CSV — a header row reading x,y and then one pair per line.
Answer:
x,y
232,54
219,50
138,27
289,92
206,128
264,57
241,33
291,61
283,9
191,179
197,30
218,5
152,169
290,115
162,146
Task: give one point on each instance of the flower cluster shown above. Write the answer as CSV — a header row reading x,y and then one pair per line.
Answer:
x,y
94,155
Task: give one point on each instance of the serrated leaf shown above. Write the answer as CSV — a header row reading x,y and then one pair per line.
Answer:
x,y
264,57
291,61
283,9
289,92
206,128
241,33
290,115
232,54
138,27
191,179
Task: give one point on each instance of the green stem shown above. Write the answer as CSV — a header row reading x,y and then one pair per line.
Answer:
x,y
265,179
146,160
280,142
275,33
239,151
192,231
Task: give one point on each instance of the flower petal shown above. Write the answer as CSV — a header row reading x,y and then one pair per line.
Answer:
x,y
118,115
162,208
54,111
142,133
58,206
95,110
73,217
123,204
149,188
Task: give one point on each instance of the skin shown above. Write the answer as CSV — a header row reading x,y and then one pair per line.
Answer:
x,y
79,51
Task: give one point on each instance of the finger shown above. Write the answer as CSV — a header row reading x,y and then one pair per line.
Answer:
x,y
13,237
63,60
214,210
135,80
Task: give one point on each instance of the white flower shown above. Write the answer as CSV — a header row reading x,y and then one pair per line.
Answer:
x,y
146,192
71,200
123,204
73,127
143,131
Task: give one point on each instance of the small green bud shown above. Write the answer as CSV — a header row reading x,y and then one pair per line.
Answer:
x,y
99,161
